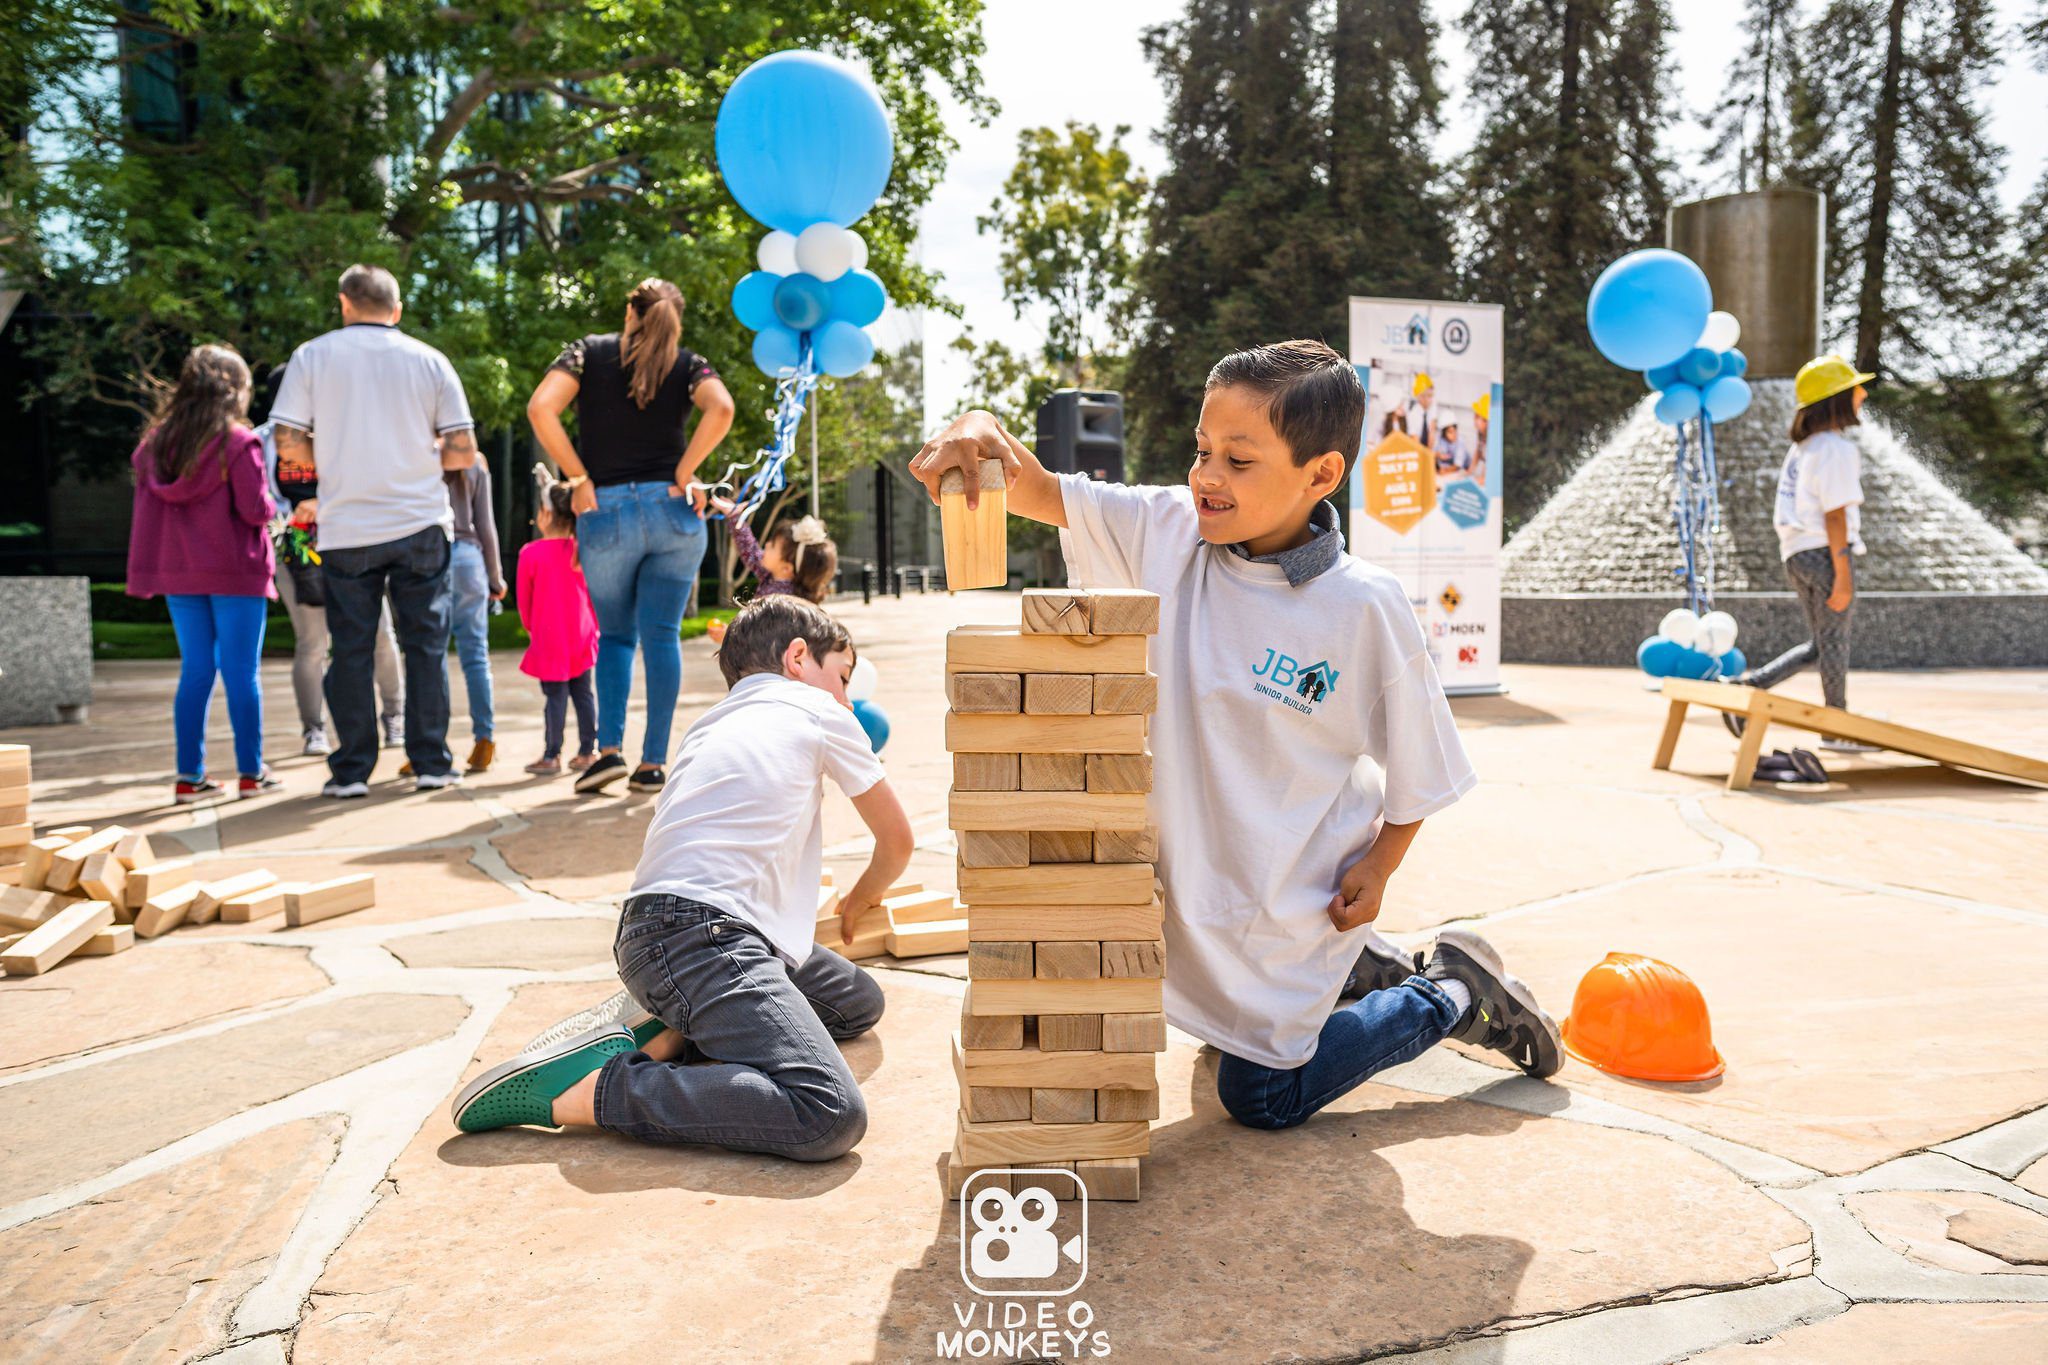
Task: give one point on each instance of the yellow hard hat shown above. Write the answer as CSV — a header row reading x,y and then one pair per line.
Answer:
x,y
1825,376
1422,381
1482,406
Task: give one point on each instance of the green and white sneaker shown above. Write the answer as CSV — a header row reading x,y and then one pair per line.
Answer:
x,y
1504,1016
617,1011
524,1089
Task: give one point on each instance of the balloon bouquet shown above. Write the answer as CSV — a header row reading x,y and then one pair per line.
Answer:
x,y
1653,311
804,145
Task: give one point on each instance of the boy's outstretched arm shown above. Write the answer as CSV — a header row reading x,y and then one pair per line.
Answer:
x,y
883,814
976,436
1365,882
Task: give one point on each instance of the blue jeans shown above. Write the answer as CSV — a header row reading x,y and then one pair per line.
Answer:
x,y
221,635
641,550
762,1072
470,583
1384,1029
413,571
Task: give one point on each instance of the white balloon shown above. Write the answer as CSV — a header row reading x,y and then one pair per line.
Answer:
x,y
777,253
1717,634
860,250
824,251
1681,624
1721,332
866,678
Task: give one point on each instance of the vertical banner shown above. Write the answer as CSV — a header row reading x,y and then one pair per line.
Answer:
x,y
1425,492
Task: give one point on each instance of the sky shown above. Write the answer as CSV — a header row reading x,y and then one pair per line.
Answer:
x,y
1053,60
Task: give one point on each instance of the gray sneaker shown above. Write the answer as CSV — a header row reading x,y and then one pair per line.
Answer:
x,y
619,1011
314,741
1381,963
394,732
1504,1017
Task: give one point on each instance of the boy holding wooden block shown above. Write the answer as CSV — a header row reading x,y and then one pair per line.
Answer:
x,y
1301,738
715,942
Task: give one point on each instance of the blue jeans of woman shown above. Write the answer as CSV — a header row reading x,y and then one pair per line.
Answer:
x,y
1367,1036
471,583
224,636
641,549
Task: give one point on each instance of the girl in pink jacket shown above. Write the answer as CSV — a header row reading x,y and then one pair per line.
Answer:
x,y
561,627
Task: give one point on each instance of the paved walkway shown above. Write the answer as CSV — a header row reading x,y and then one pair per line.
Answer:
x,y
233,1142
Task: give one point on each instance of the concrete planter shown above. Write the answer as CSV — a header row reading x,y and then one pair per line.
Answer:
x,y
45,650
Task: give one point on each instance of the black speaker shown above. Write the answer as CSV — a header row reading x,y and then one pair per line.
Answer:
x,y
1081,431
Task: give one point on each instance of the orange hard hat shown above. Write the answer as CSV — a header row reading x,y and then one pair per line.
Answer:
x,y
1644,1019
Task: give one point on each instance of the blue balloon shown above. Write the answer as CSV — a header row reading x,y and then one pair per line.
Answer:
x,y
1679,403
1732,663
1699,367
1734,362
873,721
858,297
777,349
1657,656
1662,658
1661,378
1726,398
753,300
803,139
1648,308
842,348
802,301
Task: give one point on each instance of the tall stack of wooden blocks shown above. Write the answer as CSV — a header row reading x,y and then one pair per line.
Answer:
x,y
15,829
1051,769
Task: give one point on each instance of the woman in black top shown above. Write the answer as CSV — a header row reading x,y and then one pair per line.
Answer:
x,y
639,523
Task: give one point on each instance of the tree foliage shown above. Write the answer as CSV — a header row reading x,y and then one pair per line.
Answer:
x,y
1748,122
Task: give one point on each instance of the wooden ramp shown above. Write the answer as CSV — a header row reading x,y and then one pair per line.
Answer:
x,y
1765,709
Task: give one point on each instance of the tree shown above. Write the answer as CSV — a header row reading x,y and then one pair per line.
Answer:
x,y
1748,122
1391,212
1069,216
519,166
1565,175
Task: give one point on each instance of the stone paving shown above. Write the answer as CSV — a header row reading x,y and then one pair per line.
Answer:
x,y
232,1143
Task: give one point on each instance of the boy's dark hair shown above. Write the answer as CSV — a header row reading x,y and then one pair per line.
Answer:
x,y
1836,412
758,637
1313,397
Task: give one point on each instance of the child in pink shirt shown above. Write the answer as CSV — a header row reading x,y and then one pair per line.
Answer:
x,y
561,627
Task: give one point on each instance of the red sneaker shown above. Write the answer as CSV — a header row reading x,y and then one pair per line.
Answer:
x,y
263,784
187,793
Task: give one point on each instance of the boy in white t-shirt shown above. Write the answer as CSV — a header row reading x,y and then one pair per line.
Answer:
x,y
1301,738
727,1032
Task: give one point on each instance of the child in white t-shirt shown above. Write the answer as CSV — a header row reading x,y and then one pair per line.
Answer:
x,y
727,1032
1301,738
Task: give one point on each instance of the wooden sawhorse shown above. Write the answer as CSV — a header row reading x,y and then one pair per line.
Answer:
x,y
1762,709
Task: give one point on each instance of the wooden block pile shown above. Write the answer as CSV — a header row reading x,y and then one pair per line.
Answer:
x,y
1056,1051
15,829
909,922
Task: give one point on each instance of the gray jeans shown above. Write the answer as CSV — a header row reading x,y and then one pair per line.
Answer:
x,y
762,1072
1812,573
309,657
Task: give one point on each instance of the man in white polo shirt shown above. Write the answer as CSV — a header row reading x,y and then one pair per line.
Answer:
x,y
365,405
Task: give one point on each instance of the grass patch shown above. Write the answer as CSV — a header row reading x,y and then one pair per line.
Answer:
x,y
156,640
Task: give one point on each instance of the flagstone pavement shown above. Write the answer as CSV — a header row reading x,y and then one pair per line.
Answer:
x,y
232,1143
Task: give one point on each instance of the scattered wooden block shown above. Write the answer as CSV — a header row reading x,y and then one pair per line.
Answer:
x,y
1120,772
1040,923
133,851
69,833
1059,694
9,940
1077,960
921,907
56,938
923,940
999,961
1070,1033
325,900
1017,1144
1127,845
1062,846
998,1104
1124,957
1112,1178
1046,810
69,861
37,857
165,910
871,942
115,938
994,848
1053,772
1093,1069
10,874
1134,1032
1062,883
985,693
1122,1106
988,1033
985,772
1123,611
1052,1105
153,878
261,904
103,878
1084,734
21,908
1126,694
1055,611
1041,997
205,907
1006,649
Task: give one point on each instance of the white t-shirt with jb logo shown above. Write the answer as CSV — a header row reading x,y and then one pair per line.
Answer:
x,y
1291,721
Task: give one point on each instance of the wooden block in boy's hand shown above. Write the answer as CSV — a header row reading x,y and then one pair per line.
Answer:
x,y
324,900
56,938
1123,611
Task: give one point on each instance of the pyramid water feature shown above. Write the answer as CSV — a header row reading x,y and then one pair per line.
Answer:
x,y
1592,573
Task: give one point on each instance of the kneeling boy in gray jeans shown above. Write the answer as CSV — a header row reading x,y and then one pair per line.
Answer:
x,y
727,1030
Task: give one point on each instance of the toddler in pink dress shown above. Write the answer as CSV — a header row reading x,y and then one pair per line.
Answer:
x,y
561,627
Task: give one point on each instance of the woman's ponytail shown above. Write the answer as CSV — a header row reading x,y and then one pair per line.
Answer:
x,y
652,336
